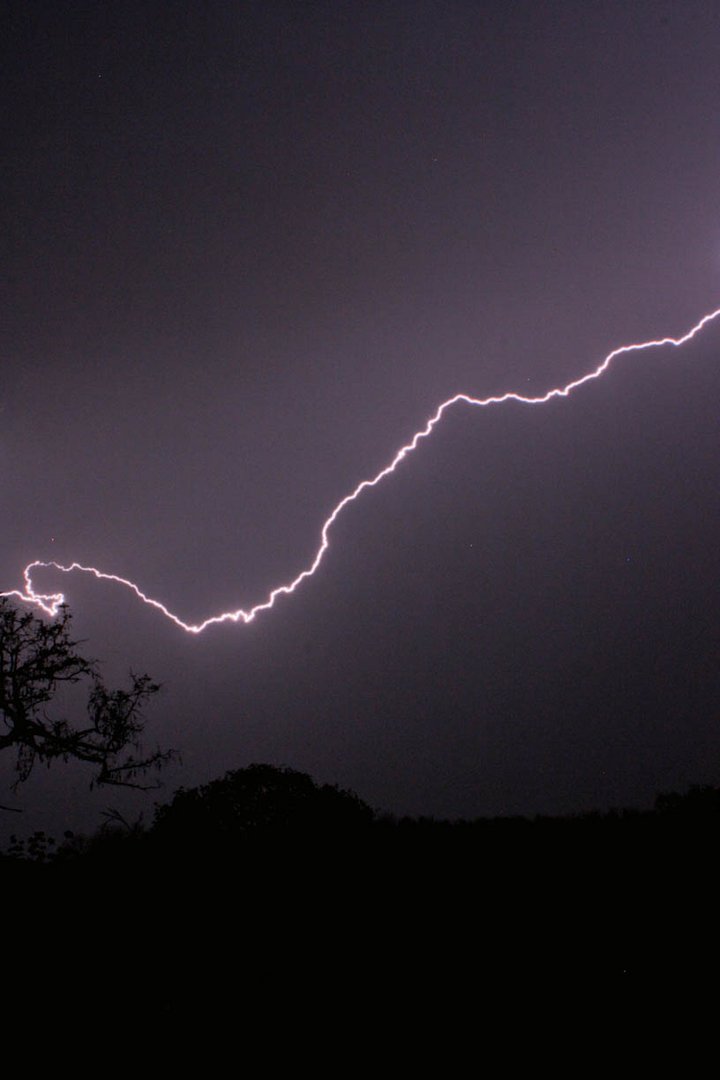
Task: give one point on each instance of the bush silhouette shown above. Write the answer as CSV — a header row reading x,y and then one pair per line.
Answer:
x,y
259,801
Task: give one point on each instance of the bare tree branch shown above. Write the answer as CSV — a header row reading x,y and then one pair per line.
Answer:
x,y
38,656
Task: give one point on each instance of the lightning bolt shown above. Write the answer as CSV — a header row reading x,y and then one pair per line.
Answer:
x,y
50,602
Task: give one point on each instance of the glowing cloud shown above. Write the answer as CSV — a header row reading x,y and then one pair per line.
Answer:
x,y
50,602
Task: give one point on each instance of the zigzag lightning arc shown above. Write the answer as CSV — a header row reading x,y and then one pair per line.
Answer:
x,y
50,602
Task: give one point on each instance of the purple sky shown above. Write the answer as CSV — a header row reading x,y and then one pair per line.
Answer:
x,y
249,249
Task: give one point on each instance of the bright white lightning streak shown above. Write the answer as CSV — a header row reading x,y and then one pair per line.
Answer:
x,y
50,602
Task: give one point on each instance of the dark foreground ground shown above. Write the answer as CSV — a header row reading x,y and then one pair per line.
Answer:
x,y
280,916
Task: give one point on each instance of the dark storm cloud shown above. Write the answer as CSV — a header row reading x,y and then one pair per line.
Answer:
x,y
250,248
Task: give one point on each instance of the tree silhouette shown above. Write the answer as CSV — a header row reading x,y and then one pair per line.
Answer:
x,y
257,801
37,657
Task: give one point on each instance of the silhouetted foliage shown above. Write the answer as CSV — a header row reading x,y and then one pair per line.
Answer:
x,y
700,803
259,799
39,847
268,868
37,657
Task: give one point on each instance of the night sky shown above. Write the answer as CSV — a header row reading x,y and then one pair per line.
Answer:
x,y
248,250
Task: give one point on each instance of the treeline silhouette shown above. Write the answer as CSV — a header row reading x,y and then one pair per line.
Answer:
x,y
264,876
264,809
265,873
